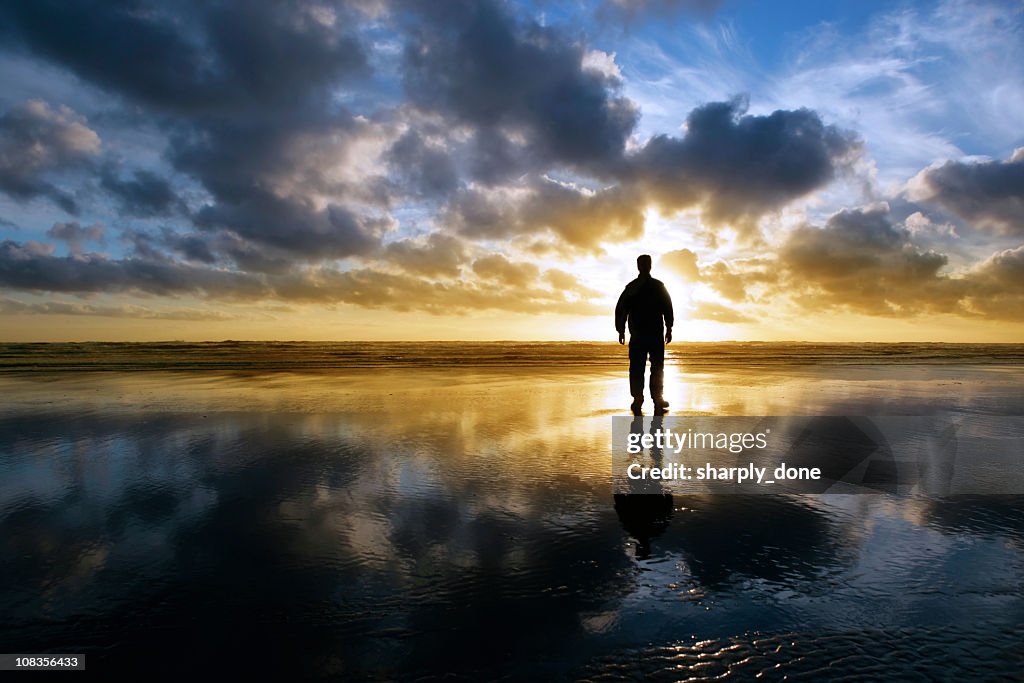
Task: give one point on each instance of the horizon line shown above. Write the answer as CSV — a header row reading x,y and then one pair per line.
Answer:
x,y
502,341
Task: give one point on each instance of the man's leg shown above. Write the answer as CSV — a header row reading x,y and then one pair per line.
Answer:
x,y
637,365
657,351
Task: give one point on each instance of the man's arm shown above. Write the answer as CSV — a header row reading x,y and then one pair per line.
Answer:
x,y
621,312
666,309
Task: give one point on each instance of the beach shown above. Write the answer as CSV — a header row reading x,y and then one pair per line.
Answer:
x,y
413,511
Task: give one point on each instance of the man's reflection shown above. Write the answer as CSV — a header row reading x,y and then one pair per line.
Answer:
x,y
645,511
723,536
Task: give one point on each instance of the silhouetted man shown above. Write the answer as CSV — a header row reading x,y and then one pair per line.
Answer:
x,y
645,303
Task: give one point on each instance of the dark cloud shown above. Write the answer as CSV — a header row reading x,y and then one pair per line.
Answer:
x,y
425,168
26,267
294,224
154,246
190,246
13,306
144,245
270,179
512,286
989,195
1004,270
732,167
512,133
253,101
736,167
246,255
997,286
143,194
37,140
437,255
75,235
245,91
224,248
862,261
506,78
205,58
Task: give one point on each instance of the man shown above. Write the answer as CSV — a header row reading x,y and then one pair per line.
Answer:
x,y
645,303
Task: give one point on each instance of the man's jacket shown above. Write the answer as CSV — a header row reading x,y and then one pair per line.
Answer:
x,y
644,303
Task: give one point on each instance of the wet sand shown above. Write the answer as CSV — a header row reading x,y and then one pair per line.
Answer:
x,y
413,522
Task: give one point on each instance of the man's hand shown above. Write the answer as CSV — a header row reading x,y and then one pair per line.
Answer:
x,y
622,337
668,335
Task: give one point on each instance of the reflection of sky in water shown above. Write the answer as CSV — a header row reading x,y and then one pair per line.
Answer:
x,y
396,524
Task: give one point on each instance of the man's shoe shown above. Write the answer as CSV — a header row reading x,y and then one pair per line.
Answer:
x,y
637,407
660,402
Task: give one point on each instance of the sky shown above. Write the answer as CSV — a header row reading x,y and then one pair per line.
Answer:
x,y
398,170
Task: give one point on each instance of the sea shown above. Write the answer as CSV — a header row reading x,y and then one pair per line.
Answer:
x,y
445,511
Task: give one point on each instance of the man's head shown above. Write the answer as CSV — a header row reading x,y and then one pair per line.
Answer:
x,y
643,264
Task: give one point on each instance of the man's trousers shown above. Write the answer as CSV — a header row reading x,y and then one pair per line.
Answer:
x,y
640,348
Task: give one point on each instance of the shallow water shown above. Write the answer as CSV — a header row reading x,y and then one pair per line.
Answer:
x,y
415,522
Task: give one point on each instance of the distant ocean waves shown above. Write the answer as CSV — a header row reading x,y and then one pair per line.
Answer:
x,y
337,356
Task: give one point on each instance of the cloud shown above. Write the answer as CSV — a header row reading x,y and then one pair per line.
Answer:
x,y
860,260
424,166
518,85
75,235
988,195
207,58
410,156
371,288
567,282
37,139
708,310
437,254
730,280
632,9
13,306
27,268
144,194
509,128
375,289
683,262
499,269
243,92
997,289
500,285
733,283
580,218
737,167
295,225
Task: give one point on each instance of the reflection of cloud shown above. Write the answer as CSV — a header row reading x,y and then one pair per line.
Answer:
x,y
729,538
